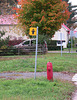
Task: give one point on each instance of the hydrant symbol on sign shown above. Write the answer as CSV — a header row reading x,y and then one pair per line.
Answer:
x,y
49,71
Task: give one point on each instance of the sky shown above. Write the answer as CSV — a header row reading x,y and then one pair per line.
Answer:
x,y
74,2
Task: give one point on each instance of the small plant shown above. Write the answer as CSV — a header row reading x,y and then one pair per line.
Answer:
x,y
4,47
2,33
3,42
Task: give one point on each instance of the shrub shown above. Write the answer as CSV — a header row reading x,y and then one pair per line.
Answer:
x,y
3,42
14,42
69,43
52,45
4,47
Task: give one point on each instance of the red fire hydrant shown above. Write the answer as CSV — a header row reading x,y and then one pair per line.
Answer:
x,y
49,71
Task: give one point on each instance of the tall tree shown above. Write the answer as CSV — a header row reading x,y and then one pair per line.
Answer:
x,y
71,20
48,15
6,6
73,13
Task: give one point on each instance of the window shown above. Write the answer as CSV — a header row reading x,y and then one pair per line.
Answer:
x,y
26,43
33,42
59,42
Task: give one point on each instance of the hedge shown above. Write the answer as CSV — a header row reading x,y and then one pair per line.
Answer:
x,y
52,45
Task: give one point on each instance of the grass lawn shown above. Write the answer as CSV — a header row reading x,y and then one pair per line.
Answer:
x,y
68,62
67,49
39,89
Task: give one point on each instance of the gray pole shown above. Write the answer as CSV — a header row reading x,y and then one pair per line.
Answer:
x,y
61,42
36,53
71,33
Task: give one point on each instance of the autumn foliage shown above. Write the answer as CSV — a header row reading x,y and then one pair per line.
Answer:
x,y
48,15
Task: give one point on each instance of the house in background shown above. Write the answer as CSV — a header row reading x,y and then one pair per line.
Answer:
x,y
10,26
75,33
62,34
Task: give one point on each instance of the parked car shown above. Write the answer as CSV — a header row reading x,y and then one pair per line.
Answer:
x,y
29,46
25,43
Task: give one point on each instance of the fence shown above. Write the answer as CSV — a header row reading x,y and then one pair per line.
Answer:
x,y
23,51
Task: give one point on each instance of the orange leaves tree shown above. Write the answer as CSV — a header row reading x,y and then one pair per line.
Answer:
x,y
48,15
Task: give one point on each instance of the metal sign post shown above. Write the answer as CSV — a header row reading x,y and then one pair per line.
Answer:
x,y
61,42
36,53
71,33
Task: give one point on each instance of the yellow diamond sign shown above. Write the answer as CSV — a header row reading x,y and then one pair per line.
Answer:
x,y
33,31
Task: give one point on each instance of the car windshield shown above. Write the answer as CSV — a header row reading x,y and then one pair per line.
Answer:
x,y
33,42
26,42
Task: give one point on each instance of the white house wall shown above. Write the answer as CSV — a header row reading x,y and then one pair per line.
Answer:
x,y
64,36
12,31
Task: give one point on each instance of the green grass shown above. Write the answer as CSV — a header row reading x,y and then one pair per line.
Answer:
x,y
67,49
39,89
68,62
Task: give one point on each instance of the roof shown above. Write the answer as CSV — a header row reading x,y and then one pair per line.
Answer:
x,y
67,29
75,30
7,20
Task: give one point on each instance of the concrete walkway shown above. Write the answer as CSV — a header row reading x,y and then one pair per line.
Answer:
x,y
74,79
18,75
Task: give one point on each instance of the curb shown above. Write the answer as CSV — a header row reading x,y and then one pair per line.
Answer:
x,y
74,79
